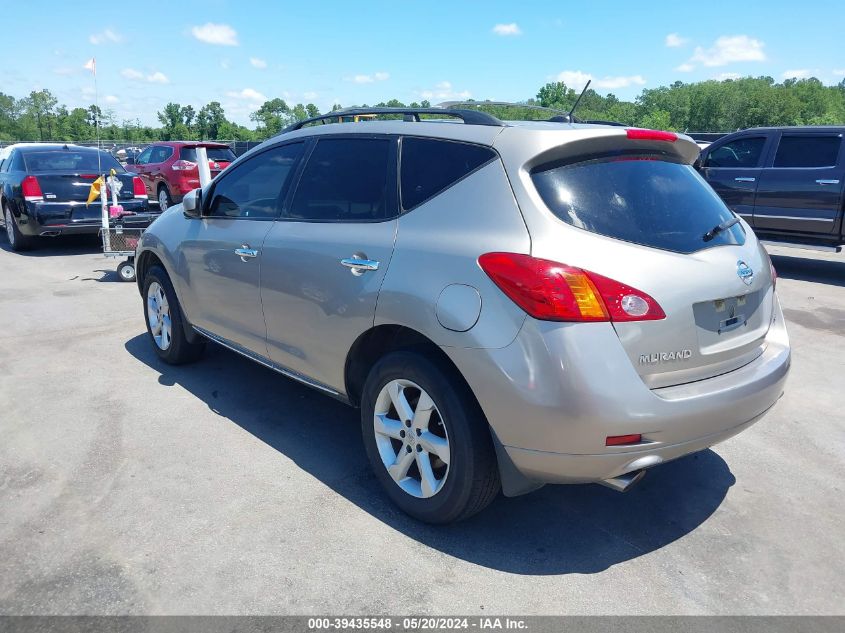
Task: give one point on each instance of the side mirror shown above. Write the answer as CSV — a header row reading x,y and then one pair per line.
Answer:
x,y
192,204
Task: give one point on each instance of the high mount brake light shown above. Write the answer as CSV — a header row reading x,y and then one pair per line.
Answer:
x,y
551,291
640,134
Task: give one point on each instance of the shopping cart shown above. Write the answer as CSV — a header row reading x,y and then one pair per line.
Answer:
x,y
120,240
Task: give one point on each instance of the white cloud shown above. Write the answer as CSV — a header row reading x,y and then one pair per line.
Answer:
x,y
104,37
156,77
724,76
673,40
225,64
65,70
577,79
220,34
839,71
368,79
257,63
800,73
507,29
444,91
310,95
112,99
247,94
729,49
685,68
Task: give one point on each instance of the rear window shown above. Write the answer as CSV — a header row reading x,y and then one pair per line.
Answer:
x,y
807,151
219,154
639,199
72,161
429,166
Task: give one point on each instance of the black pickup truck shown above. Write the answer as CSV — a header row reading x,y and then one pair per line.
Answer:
x,y
787,183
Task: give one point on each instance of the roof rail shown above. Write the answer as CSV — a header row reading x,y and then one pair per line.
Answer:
x,y
470,117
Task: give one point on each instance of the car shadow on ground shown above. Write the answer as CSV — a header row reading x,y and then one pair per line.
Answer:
x,y
58,246
556,530
823,271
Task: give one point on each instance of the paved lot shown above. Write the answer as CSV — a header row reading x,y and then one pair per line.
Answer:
x,y
127,486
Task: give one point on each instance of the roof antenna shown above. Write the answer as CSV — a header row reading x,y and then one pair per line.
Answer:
x,y
578,100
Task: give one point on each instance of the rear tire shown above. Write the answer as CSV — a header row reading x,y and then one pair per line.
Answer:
x,y
165,322
17,241
432,452
164,199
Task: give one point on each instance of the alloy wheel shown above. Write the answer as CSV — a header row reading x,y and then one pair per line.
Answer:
x,y
411,438
158,316
10,230
162,200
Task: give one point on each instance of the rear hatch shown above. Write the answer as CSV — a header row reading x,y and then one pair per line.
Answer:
x,y
65,176
219,157
641,215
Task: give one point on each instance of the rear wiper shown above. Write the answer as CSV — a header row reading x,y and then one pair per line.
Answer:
x,y
724,226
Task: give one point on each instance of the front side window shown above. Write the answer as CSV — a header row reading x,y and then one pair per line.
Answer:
x,y
254,188
743,152
644,199
430,166
144,157
345,180
807,151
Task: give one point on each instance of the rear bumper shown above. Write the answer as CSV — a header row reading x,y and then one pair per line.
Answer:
x,y
74,218
559,390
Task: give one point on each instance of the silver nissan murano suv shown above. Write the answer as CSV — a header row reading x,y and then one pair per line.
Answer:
x,y
509,304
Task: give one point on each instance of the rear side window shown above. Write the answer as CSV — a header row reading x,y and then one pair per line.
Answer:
x,y
17,162
807,151
345,180
743,152
639,199
430,166
160,154
219,154
78,161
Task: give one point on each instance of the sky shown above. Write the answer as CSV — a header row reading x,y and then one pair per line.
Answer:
x,y
242,52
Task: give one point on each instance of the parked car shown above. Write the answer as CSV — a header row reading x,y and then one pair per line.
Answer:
x,y
169,168
508,303
44,191
786,182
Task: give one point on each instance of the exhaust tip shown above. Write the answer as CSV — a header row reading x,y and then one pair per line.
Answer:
x,y
622,483
50,233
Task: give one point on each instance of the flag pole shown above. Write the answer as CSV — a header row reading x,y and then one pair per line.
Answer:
x,y
97,115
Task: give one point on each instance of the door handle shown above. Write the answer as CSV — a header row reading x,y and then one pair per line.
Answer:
x,y
359,265
745,179
827,182
246,253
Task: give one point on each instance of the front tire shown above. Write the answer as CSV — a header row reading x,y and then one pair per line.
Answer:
x,y
17,241
427,439
165,322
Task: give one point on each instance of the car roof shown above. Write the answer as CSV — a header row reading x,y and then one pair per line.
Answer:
x,y
795,128
190,143
27,147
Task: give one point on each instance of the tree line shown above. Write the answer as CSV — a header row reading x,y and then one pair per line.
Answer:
x,y
706,106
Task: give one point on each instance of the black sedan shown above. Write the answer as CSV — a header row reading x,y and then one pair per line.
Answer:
x,y
44,189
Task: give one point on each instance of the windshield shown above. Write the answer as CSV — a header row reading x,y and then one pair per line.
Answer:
x,y
219,154
644,199
71,160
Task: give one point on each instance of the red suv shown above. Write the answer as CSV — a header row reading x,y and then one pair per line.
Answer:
x,y
169,168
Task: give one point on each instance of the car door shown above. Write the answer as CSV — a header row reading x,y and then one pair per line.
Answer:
x,y
732,169
325,258
141,167
222,253
156,169
802,190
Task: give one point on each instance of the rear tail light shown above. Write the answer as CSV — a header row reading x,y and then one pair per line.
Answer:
x,y
183,165
31,189
551,291
640,134
623,440
138,187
